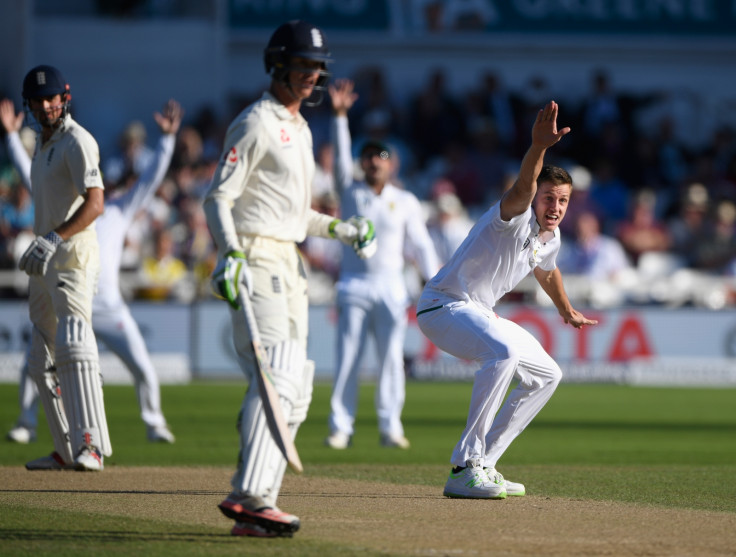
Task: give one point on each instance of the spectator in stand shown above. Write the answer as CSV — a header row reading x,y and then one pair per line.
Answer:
x,y
580,201
687,227
609,193
601,107
593,255
642,231
16,223
163,275
489,160
716,252
374,96
499,105
436,119
449,225
134,155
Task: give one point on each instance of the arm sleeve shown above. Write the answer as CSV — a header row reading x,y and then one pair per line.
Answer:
x,y
239,157
420,240
145,188
343,154
318,224
84,164
19,157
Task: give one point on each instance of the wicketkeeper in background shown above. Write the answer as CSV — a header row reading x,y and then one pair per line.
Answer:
x,y
258,209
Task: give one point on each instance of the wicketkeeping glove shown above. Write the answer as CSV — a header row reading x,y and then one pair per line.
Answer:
x,y
35,261
229,275
358,233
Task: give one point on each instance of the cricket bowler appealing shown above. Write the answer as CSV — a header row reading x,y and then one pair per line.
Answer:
x,y
516,236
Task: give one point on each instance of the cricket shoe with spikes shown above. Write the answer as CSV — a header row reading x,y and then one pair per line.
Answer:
x,y
254,510
89,459
472,482
513,489
50,462
255,531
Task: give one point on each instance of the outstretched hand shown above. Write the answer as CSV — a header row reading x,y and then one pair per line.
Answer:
x,y
578,320
11,121
169,119
544,132
343,95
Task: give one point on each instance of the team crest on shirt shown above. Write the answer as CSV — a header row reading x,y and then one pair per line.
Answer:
x,y
231,157
285,137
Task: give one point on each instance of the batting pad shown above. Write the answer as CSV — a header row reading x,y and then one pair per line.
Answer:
x,y
262,466
40,368
78,367
302,402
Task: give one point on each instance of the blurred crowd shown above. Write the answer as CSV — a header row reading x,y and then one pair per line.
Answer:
x,y
652,218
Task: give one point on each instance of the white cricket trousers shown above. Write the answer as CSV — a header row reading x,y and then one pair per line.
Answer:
x,y
504,350
375,306
116,328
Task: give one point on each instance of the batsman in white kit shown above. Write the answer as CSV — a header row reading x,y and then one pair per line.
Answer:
x,y
258,209
63,265
516,236
372,296
112,321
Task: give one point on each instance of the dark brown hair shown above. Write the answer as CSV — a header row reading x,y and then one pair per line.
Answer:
x,y
555,175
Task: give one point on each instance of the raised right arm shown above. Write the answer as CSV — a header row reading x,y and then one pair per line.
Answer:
x,y
544,134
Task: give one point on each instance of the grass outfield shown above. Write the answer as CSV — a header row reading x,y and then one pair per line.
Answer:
x,y
669,448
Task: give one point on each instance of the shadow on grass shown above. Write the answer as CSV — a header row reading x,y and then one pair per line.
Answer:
x,y
46,535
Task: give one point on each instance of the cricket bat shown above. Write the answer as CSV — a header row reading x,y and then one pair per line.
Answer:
x,y
266,388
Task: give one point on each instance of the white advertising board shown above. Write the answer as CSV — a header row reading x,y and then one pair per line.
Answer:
x,y
630,345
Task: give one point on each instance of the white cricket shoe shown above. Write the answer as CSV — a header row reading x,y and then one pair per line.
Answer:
x,y
338,440
394,441
513,489
50,462
472,482
21,434
160,434
89,459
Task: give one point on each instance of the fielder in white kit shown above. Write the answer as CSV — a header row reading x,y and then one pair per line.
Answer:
x,y
258,210
63,264
112,322
372,297
517,235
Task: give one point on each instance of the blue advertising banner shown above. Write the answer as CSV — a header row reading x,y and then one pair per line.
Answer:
x,y
416,18
364,15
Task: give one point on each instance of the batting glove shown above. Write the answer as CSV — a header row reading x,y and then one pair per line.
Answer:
x,y
365,244
229,275
35,261
356,232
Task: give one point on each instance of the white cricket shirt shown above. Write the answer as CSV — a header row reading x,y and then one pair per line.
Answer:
x,y
494,258
62,171
397,218
265,175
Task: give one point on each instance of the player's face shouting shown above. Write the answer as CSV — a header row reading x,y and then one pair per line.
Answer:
x,y
550,204
303,76
46,110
